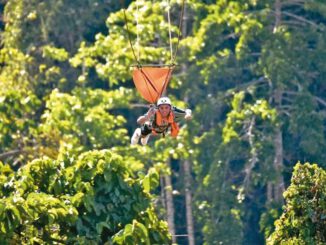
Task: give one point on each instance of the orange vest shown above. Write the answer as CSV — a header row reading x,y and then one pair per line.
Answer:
x,y
171,123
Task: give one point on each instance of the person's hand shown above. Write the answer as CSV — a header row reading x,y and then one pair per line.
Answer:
x,y
150,112
188,115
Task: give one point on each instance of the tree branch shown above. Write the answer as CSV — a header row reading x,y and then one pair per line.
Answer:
x,y
278,14
293,3
253,152
318,99
300,18
139,105
245,86
293,23
10,153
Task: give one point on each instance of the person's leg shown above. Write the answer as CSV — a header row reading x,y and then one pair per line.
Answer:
x,y
146,131
144,139
135,137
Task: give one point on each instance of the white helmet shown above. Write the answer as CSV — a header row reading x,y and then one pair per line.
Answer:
x,y
164,101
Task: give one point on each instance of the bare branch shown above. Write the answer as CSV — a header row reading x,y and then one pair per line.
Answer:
x,y
278,15
243,86
320,100
285,112
291,92
139,106
253,152
293,3
293,23
300,18
10,153
256,54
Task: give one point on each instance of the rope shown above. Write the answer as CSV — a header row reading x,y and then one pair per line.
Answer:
x,y
173,57
153,65
150,82
165,82
170,35
137,28
180,30
137,57
129,38
149,91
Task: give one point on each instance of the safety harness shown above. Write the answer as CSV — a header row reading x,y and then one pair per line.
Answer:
x,y
160,125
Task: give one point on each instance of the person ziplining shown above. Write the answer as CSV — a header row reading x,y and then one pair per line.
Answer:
x,y
159,121
151,82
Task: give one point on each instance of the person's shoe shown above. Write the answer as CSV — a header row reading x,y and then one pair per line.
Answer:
x,y
144,140
135,137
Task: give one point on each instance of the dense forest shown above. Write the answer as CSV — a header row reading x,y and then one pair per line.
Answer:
x,y
249,168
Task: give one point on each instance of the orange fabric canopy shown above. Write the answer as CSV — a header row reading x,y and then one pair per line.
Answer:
x,y
151,81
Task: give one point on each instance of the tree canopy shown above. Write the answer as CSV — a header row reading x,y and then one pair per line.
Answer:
x,y
94,198
304,218
251,71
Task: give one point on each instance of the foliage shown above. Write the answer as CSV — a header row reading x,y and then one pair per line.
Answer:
x,y
112,59
18,107
82,120
93,198
268,70
49,33
16,118
304,219
31,24
38,39
252,71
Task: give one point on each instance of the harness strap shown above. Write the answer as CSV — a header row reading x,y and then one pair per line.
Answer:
x,y
171,124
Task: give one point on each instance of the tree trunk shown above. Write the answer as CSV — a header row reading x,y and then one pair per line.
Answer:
x,y
278,12
278,166
163,199
278,187
269,191
190,223
169,203
275,189
186,163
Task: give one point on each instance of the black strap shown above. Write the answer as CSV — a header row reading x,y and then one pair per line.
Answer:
x,y
166,80
152,85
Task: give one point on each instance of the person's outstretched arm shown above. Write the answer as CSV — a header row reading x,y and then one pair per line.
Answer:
x,y
147,116
181,113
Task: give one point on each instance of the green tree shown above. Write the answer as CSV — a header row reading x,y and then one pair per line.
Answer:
x,y
19,108
304,218
38,39
49,33
83,121
268,51
254,78
94,198
148,29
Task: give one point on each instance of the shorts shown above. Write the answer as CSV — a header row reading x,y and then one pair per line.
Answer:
x,y
146,129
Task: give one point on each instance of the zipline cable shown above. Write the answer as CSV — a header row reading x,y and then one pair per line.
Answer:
x,y
129,38
150,87
180,30
166,81
150,82
173,57
137,30
170,34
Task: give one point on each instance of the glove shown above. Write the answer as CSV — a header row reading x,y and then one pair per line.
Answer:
x,y
188,115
